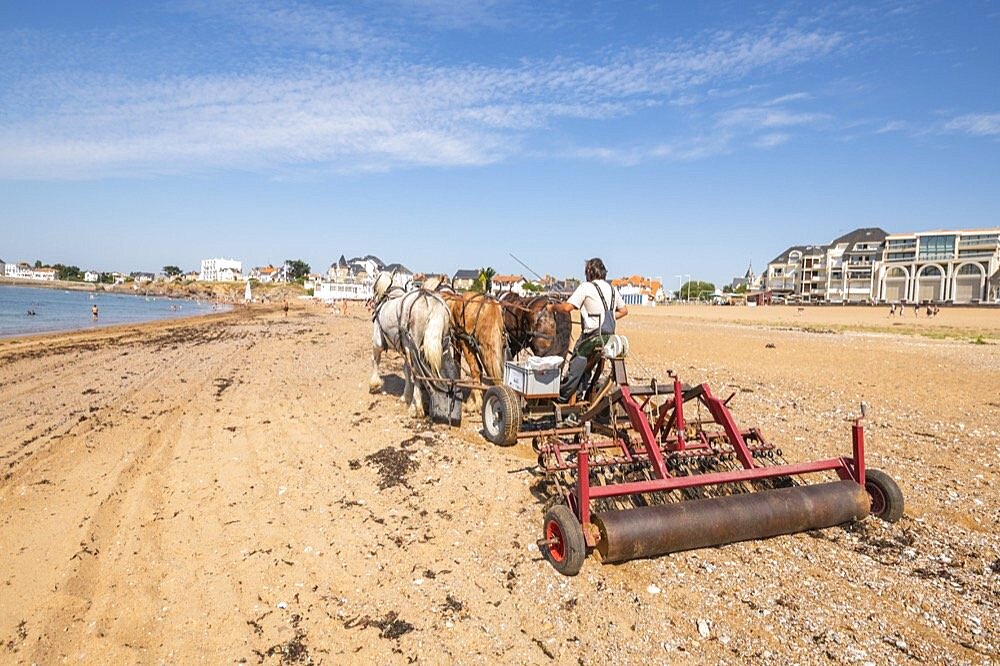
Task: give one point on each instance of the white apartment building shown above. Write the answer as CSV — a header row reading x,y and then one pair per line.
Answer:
x,y
959,266
221,270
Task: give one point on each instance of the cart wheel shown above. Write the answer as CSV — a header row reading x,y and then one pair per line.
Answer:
x,y
501,415
887,498
565,548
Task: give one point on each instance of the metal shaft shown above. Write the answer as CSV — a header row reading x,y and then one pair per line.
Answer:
x,y
655,530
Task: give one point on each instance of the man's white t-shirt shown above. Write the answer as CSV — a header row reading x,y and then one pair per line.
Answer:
x,y
592,311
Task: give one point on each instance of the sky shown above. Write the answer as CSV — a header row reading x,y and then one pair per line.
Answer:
x,y
668,138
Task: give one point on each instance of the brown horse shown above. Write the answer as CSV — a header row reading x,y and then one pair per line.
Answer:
x,y
478,330
531,325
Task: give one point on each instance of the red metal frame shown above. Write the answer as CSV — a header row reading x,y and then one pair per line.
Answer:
x,y
668,434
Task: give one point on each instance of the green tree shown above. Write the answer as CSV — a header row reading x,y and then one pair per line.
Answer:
x,y
171,271
484,283
71,273
38,263
695,290
532,287
297,269
106,278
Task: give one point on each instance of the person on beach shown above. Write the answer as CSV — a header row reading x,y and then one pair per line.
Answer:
x,y
93,312
892,309
285,308
600,306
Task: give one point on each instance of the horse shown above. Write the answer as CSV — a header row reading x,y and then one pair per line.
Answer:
x,y
417,325
477,320
531,325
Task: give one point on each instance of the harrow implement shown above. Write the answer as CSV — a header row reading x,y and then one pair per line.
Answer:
x,y
644,478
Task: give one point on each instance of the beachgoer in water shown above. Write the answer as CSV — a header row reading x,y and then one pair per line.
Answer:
x,y
93,312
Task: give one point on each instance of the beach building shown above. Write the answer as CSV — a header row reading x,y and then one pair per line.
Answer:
x,y
956,266
505,283
91,276
639,290
44,274
463,279
343,291
221,270
268,274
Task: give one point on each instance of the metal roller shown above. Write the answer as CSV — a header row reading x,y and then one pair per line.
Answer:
x,y
656,530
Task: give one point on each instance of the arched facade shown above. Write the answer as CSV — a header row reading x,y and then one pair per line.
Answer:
x,y
968,283
896,281
930,284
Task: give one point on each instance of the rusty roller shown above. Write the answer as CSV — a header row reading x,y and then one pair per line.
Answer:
x,y
656,530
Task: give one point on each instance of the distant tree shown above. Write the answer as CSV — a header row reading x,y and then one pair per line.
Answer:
x,y
171,271
531,286
38,263
106,278
71,273
484,282
695,290
297,269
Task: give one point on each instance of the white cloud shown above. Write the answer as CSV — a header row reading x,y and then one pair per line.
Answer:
x,y
767,117
976,124
374,114
893,126
771,140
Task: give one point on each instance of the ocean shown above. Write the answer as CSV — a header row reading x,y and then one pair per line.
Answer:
x,y
63,310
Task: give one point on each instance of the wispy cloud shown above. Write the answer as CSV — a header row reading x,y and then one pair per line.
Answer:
x,y
366,113
976,124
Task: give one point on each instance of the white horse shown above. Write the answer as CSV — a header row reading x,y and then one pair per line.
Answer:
x,y
416,324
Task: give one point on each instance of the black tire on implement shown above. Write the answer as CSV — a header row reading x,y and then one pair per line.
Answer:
x,y
501,415
566,549
887,498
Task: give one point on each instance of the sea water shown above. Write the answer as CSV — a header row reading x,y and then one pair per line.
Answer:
x,y
64,310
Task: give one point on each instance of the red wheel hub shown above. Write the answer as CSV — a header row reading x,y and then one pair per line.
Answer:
x,y
878,499
554,537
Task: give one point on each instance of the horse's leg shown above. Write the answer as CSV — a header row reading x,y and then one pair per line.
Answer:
x,y
375,381
408,382
475,395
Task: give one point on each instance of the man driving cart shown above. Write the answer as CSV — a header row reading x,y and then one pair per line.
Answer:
x,y
600,306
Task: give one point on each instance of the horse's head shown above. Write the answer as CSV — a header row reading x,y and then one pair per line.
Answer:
x,y
551,329
383,281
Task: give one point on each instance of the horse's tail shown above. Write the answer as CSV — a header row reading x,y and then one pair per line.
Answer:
x,y
494,341
438,321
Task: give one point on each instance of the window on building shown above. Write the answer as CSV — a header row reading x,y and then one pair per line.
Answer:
x,y
901,243
900,256
895,273
937,247
930,271
970,269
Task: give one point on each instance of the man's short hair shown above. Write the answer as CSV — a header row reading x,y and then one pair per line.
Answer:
x,y
595,270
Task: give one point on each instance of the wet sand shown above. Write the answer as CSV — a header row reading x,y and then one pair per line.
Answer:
x,y
226,490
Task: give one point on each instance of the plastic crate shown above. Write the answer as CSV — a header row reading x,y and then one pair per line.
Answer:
x,y
534,378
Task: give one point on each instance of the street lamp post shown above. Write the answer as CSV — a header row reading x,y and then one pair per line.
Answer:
x,y
679,285
688,299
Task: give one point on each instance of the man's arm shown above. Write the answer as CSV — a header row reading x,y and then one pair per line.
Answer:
x,y
565,306
621,312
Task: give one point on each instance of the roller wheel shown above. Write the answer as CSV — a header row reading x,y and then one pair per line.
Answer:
x,y
565,548
887,498
501,415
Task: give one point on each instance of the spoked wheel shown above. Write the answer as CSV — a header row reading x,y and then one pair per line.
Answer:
x,y
564,546
887,498
501,415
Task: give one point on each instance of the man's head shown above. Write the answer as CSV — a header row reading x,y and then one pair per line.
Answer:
x,y
595,270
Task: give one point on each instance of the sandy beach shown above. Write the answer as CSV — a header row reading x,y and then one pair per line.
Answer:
x,y
226,490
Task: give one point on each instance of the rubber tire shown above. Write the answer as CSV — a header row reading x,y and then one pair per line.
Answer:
x,y
884,491
568,558
506,423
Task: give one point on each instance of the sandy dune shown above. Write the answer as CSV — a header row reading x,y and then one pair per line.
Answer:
x,y
225,490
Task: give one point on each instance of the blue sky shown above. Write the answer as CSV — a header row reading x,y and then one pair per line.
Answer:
x,y
669,138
